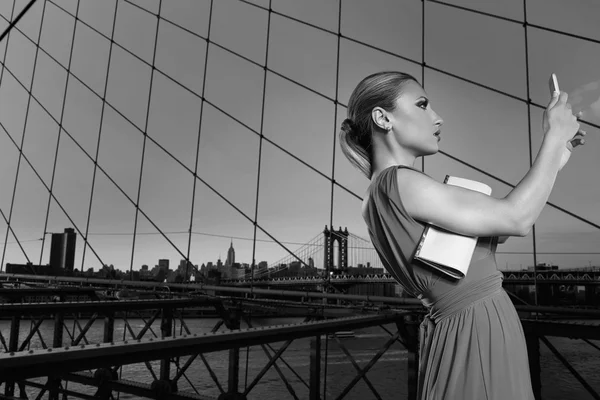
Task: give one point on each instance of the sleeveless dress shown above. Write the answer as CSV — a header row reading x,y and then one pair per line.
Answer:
x,y
472,345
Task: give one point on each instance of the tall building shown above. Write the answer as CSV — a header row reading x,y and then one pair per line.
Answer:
x,y
163,265
230,256
186,269
62,251
261,270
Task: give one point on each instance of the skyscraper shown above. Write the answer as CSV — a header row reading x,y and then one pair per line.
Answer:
x,y
230,256
62,251
163,264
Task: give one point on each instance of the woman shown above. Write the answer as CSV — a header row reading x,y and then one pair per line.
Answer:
x,y
472,343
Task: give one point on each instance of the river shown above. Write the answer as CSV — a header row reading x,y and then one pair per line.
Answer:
x,y
388,375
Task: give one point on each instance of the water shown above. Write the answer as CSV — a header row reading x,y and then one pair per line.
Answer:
x,y
388,375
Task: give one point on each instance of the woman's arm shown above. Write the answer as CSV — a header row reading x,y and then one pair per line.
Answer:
x,y
465,211
474,214
502,239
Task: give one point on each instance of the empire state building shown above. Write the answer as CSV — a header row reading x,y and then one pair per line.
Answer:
x,y
230,256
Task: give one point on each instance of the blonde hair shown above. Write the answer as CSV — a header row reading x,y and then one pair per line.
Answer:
x,y
378,90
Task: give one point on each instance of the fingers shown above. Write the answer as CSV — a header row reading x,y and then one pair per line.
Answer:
x,y
575,142
571,145
558,98
564,96
553,100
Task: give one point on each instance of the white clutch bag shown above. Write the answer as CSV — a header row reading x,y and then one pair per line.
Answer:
x,y
447,251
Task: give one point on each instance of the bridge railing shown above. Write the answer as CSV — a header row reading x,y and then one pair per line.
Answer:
x,y
294,374
299,360
186,288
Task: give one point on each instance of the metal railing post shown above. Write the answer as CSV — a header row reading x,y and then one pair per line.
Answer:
x,y
234,370
13,345
234,356
109,327
315,368
57,341
409,331
533,352
166,328
232,319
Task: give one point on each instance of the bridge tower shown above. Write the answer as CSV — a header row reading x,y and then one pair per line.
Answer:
x,y
331,236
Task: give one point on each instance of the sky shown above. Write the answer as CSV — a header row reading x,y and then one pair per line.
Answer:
x,y
478,72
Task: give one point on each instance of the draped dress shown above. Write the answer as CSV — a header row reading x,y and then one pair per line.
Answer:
x,y
472,345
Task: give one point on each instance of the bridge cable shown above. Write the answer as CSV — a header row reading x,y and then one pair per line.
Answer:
x,y
573,215
31,96
139,191
527,77
14,22
7,32
489,88
56,154
328,238
10,213
132,124
259,166
458,160
200,126
101,124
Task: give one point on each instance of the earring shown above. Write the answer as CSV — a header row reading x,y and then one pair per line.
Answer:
x,y
388,128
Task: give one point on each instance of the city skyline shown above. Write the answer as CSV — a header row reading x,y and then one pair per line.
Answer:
x,y
118,109
364,247
307,260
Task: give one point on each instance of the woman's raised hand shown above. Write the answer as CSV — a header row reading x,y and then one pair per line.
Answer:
x,y
559,121
561,125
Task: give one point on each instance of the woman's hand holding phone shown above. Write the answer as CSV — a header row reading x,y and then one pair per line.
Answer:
x,y
559,123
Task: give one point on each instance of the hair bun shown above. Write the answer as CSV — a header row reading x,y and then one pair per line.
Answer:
x,y
349,127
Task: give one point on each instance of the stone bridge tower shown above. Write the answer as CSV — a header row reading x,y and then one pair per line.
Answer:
x,y
341,237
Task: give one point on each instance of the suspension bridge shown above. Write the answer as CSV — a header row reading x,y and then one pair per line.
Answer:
x,y
331,251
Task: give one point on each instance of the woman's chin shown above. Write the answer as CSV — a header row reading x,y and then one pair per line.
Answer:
x,y
427,150
432,151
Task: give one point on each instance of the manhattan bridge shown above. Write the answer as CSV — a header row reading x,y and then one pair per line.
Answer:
x,y
331,251
136,124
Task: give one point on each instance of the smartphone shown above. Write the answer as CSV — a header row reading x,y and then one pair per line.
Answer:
x,y
554,84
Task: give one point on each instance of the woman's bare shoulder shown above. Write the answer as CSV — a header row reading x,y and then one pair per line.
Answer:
x,y
365,201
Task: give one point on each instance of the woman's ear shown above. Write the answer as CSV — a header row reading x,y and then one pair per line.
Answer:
x,y
380,118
